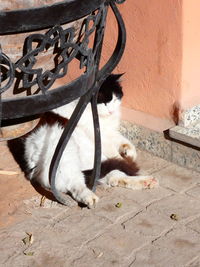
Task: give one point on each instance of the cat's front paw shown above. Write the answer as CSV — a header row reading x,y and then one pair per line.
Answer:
x,y
88,198
128,151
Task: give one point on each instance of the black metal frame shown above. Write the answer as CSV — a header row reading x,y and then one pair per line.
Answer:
x,y
85,87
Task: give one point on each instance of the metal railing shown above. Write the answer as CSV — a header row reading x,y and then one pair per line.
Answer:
x,y
64,45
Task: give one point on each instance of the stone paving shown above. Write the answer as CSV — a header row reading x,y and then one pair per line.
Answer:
x,y
158,227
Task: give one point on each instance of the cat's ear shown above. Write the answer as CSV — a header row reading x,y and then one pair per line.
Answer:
x,y
118,76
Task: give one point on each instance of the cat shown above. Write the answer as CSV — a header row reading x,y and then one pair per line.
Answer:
x,y
118,153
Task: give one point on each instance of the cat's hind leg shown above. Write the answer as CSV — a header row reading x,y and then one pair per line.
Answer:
x,y
120,179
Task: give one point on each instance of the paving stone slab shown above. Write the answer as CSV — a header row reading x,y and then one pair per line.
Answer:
x,y
195,225
107,206
97,256
177,178
148,223
181,205
139,233
114,245
149,164
194,192
146,197
175,249
194,263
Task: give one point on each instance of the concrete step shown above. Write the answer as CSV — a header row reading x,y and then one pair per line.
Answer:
x,y
185,153
189,135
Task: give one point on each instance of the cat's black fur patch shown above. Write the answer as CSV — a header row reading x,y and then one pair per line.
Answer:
x,y
51,118
126,165
109,87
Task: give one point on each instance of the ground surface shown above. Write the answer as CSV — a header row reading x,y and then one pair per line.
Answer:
x,y
158,227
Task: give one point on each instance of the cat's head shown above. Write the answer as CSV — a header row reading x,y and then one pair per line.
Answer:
x,y
110,95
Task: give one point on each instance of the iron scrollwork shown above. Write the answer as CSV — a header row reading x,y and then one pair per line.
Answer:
x,y
65,45
65,48
56,38
7,73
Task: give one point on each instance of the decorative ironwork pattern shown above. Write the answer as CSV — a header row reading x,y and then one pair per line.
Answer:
x,y
6,72
65,48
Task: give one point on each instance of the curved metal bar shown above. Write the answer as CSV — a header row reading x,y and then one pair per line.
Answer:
x,y
67,49
119,49
97,140
104,72
52,99
92,94
5,60
24,20
64,139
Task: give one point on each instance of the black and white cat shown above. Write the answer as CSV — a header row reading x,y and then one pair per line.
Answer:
x,y
118,154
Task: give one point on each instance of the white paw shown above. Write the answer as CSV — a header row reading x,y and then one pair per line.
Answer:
x,y
89,198
120,181
148,182
136,182
128,150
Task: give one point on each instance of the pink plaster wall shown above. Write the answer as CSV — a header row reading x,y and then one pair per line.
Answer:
x,y
161,60
153,56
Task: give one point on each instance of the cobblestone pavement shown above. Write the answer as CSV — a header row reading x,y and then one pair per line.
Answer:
x,y
158,227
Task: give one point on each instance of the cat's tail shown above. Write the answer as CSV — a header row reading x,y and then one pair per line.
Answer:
x,y
126,165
